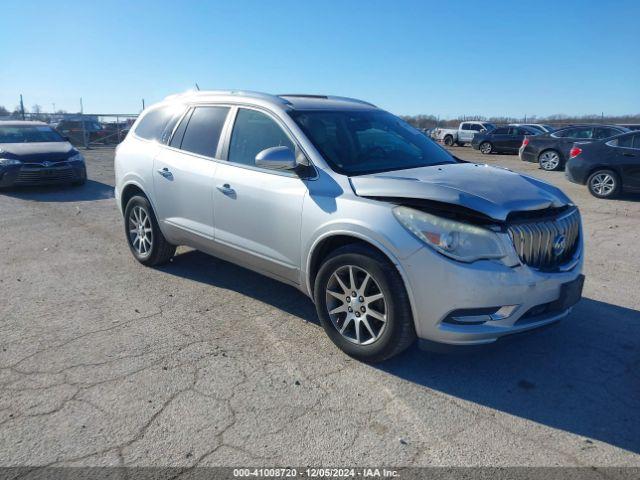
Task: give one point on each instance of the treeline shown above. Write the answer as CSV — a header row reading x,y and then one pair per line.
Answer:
x,y
430,121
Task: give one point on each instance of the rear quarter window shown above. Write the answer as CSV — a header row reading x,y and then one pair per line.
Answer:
x,y
158,123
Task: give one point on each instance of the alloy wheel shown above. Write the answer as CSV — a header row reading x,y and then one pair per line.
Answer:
x,y
485,148
140,231
356,305
549,160
603,184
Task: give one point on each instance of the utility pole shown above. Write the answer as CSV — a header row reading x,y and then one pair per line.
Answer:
x,y
21,107
53,104
143,104
84,126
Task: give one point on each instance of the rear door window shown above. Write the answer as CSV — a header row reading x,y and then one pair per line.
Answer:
x,y
202,133
604,132
501,131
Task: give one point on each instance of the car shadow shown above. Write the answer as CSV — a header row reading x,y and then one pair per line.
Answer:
x,y
90,191
204,268
580,376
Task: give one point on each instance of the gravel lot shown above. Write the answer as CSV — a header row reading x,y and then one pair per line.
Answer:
x,y
105,362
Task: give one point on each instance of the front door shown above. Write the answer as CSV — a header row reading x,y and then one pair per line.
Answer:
x,y
258,211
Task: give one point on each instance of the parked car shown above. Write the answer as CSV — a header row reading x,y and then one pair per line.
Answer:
x,y
608,166
505,139
463,134
389,234
630,126
536,126
551,150
96,132
32,153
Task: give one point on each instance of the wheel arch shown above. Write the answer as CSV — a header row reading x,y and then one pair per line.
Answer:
x,y
329,242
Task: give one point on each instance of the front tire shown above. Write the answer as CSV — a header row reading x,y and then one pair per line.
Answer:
x,y
448,141
486,148
363,305
146,242
550,160
604,184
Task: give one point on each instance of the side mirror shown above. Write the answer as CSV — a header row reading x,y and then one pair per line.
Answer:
x,y
276,158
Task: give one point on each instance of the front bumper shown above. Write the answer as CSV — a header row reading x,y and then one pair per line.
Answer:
x,y
27,174
442,289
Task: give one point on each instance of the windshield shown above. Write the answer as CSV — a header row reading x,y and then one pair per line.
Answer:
x,y
29,134
362,142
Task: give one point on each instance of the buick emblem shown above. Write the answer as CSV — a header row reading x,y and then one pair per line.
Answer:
x,y
559,244
46,164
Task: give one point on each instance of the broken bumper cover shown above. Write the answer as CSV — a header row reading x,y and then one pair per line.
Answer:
x,y
461,304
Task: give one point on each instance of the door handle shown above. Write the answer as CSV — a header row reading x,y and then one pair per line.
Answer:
x,y
226,189
628,154
165,172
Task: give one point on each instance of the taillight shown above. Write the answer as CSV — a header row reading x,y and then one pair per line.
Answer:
x,y
525,142
575,151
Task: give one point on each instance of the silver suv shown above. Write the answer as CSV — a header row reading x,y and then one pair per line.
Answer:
x,y
389,234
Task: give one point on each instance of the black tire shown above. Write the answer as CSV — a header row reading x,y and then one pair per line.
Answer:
x,y
82,181
604,183
399,331
160,251
486,148
448,141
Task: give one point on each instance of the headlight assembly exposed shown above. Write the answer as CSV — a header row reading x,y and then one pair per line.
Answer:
x,y
457,240
7,162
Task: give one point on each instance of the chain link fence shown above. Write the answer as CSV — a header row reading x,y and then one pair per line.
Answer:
x,y
84,130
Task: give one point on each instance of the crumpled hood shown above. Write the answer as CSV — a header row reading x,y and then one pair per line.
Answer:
x,y
494,192
37,151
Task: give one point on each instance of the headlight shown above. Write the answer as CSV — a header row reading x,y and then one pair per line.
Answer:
x,y
460,241
6,162
76,158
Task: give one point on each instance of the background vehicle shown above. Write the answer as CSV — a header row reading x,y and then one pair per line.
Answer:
x,y
463,134
536,126
502,139
551,150
352,206
96,132
630,126
32,153
607,167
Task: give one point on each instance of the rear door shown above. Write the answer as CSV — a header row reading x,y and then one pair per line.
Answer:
x,y
628,158
500,138
184,173
566,138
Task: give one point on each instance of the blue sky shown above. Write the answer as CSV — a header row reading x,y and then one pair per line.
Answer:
x,y
445,58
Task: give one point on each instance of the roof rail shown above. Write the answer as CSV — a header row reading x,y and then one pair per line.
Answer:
x,y
243,93
355,100
327,97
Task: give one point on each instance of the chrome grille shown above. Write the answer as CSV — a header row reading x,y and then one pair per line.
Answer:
x,y
537,242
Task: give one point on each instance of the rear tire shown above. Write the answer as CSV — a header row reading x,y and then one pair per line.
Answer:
x,y
486,148
376,323
146,242
604,184
550,160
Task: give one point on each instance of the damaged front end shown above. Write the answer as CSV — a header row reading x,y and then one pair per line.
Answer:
x,y
470,212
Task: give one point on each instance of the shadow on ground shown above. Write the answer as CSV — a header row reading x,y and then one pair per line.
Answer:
x,y
581,376
90,191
